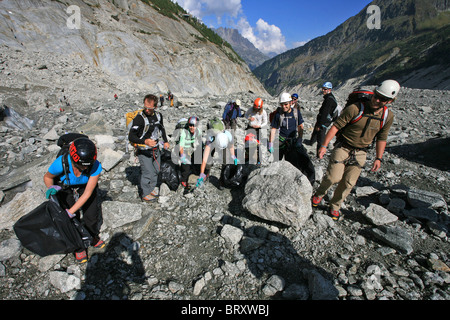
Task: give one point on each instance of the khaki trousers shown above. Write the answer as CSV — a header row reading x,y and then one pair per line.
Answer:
x,y
344,168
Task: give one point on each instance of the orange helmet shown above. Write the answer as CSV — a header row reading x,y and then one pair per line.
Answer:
x,y
258,103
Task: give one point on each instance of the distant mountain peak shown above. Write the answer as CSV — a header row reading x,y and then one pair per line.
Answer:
x,y
413,40
243,47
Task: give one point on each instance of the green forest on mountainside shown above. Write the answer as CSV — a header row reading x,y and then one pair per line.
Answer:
x,y
174,11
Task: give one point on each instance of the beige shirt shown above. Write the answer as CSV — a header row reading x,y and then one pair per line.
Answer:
x,y
352,132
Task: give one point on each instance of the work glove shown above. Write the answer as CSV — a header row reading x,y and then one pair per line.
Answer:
x,y
200,180
52,190
236,160
71,215
270,147
184,159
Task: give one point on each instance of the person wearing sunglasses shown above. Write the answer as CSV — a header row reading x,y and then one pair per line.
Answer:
x,y
190,143
353,142
146,131
324,117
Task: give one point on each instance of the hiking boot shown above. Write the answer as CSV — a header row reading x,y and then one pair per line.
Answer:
x,y
98,244
335,214
150,197
316,201
81,256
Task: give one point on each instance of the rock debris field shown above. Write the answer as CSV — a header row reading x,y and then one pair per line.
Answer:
x,y
392,242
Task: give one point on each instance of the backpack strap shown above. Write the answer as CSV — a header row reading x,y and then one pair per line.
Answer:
x,y
385,116
295,116
66,169
360,114
146,125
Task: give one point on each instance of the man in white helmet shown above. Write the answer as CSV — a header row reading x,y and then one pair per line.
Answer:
x,y
358,125
288,123
220,139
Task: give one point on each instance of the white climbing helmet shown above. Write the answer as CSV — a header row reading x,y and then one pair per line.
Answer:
x,y
222,140
285,97
388,89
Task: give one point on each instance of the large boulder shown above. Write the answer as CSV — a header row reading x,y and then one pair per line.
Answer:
x,y
279,193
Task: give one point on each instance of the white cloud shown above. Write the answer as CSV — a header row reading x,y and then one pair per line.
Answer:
x,y
218,8
265,37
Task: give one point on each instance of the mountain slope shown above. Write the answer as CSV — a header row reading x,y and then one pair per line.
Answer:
x,y
148,45
413,41
251,55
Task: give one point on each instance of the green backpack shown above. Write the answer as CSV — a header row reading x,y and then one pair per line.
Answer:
x,y
216,124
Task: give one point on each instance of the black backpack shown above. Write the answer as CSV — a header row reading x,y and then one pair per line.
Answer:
x,y
358,96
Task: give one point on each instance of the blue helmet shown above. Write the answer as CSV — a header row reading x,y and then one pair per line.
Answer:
x,y
294,96
327,85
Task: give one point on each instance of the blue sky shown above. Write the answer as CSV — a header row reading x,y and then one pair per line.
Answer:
x,y
275,26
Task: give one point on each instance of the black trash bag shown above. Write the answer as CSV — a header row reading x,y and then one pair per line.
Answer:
x,y
48,230
298,157
233,175
170,174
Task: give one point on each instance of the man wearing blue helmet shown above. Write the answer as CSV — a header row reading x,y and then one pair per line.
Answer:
x,y
324,118
295,103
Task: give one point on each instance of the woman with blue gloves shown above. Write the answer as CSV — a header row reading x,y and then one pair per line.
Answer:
x,y
74,176
220,139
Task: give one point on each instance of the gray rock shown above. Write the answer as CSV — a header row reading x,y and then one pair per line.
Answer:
x,y
378,215
396,205
320,288
248,244
273,285
64,282
19,206
117,214
109,158
279,192
396,237
425,199
231,234
426,214
9,248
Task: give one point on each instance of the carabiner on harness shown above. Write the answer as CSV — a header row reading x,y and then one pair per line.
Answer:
x,y
350,160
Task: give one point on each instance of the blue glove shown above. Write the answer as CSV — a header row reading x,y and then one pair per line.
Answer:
x,y
200,180
270,147
51,191
183,159
236,160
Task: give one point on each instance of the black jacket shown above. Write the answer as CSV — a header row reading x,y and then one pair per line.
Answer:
x,y
137,128
326,110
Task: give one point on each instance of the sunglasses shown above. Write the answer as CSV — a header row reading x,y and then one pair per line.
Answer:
x,y
380,97
80,167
